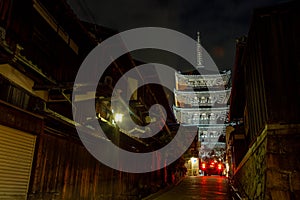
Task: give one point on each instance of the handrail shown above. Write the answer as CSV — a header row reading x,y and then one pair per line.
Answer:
x,y
235,193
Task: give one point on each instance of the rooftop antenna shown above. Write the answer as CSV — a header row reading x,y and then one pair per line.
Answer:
x,y
199,52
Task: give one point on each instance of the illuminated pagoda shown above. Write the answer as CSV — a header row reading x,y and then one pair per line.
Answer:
x,y
201,99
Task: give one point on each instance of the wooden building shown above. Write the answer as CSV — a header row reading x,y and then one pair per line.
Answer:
x,y
264,106
42,45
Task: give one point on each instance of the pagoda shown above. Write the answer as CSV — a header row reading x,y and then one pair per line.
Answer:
x,y
201,100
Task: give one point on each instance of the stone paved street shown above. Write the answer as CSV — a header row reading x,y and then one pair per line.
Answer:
x,y
198,187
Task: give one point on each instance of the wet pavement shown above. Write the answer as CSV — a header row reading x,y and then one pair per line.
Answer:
x,y
198,187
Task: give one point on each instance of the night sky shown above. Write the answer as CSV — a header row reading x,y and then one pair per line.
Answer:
x,y
220,22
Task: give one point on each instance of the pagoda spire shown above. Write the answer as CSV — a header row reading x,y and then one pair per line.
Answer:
x,y
199,52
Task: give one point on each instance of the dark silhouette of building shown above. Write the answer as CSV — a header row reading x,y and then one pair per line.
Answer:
x,y
42,45
263,141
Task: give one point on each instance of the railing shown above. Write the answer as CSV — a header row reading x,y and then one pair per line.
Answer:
x,y
234,192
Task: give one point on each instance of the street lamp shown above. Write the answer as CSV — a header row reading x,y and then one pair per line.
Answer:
x,y
118,117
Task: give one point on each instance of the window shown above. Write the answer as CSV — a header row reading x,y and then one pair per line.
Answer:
x,y
203,100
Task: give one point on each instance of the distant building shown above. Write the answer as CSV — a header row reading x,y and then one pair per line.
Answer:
x,y
201,100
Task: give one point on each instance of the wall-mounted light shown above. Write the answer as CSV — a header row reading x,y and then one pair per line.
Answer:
x,y
194,160
118,117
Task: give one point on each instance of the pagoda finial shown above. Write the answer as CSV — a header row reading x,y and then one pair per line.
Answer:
x,y
199,51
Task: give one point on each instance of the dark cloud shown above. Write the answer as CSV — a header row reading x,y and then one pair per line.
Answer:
x,y
220,22
123,15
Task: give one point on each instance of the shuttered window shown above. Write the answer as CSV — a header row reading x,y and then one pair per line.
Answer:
x,y
16,155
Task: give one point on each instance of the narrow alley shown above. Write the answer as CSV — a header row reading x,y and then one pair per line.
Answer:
x,y
196,187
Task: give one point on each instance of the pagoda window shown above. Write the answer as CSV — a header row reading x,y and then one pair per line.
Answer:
x,y
212,116
194,101
195,118
201,137
204,116
215,133
209,100
203,100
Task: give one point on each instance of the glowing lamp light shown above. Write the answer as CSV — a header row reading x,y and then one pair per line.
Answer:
x,y
219,166
194,160
118,117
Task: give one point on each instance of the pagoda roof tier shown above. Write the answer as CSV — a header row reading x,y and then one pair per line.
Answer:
x,y
194,99
218,144
213,141
201,116
213,127
202,81
216,127
210,135
212,145
204,109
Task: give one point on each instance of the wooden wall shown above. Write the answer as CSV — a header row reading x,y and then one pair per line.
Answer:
x,y
64,169
271,65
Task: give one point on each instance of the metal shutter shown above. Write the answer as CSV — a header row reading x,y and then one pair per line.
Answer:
x,y
16,154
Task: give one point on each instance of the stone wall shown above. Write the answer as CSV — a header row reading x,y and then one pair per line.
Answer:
x,y
271,167
283,162
249,176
